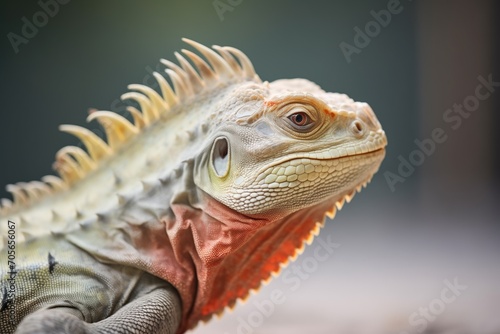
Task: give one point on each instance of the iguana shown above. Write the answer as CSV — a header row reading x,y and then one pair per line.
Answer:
x,y
219,181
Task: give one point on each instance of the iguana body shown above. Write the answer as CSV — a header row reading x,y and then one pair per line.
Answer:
x,y
212,190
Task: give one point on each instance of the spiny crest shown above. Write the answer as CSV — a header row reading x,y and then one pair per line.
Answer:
x,y
222,67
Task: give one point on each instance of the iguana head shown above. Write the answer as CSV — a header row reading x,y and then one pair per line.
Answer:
x,y
288,145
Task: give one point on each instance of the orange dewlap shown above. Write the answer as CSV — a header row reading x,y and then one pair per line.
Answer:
x,y
201,253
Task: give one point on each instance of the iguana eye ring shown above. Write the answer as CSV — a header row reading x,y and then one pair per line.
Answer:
x,y
301,120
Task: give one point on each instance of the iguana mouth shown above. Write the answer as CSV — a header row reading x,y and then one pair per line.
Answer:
x,y
380,150
307,158
352,155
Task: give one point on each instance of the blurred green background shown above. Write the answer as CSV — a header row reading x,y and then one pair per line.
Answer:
x,y
398,243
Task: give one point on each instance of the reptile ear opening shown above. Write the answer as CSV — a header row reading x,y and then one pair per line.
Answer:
x,y
220,156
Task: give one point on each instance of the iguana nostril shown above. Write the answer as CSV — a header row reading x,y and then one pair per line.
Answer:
x,y
358,128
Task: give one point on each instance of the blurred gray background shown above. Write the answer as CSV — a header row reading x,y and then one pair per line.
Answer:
x,y
402,237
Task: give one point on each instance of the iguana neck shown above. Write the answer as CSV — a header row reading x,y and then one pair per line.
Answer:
x,y
177,232
221,254
186,238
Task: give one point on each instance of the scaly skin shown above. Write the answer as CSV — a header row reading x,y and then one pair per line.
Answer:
x,y
211,191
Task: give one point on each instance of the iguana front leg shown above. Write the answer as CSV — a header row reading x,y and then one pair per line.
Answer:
x,y
158,311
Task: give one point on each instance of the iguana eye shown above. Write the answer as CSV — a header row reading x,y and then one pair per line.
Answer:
x,y
301,120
